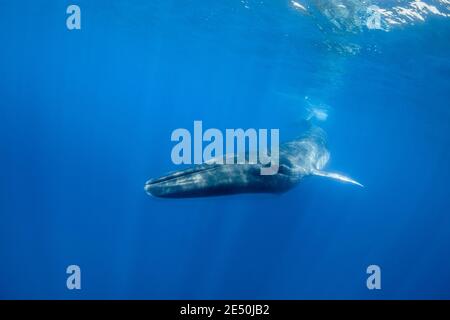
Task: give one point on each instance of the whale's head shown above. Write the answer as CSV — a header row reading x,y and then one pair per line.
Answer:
x,y
218,179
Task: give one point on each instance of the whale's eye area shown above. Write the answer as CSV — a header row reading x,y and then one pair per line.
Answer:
x,y
283,169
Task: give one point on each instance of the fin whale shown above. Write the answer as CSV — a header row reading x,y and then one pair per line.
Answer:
x,y
302,157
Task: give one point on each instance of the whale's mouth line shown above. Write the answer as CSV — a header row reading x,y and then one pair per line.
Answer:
x,y
179,174
191,182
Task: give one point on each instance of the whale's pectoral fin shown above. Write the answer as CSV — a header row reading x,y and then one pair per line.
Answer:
x,y
336,176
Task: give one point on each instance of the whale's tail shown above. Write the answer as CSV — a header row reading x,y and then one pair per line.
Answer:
x,y
336,176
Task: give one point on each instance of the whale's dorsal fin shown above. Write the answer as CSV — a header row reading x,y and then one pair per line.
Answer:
x,y
336,176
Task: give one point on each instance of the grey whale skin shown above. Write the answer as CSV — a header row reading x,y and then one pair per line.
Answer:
x,y
299,158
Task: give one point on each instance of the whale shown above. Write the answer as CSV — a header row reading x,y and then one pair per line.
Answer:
x,y
305,156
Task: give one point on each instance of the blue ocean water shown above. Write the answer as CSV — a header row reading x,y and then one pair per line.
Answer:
x,y
86,118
